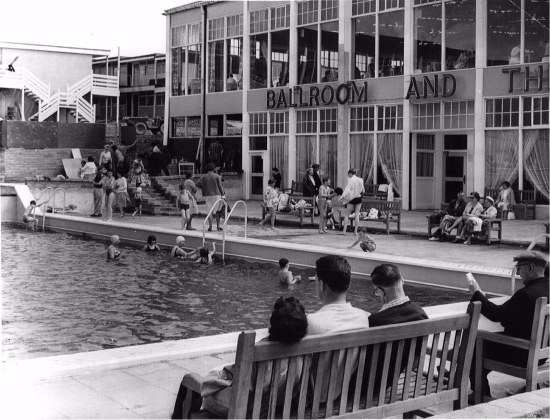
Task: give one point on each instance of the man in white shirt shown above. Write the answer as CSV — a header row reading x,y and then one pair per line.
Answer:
x,y
352,198
475,223
89,169
333,280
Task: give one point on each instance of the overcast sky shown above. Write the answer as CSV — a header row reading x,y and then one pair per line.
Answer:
x,y
136,26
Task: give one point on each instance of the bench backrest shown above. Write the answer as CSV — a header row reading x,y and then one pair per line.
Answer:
x,y
350,373
521,196
297,188
393,207
540,348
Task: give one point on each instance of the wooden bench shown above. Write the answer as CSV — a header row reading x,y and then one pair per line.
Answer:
x,y
489,226
296,193
388,212
537,348
525,200
351,374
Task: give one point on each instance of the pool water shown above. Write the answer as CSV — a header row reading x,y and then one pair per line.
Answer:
x,y
60,295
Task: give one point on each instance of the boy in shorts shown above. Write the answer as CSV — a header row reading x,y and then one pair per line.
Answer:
x,y
182,202
29,217
366,243
338,209
137,201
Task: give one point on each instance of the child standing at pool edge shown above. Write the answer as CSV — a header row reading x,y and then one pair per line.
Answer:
x,y
324,195
137,201
182,202
271,199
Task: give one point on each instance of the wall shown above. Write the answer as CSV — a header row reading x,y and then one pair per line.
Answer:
x,y
24,163
69,68
78,193
42,135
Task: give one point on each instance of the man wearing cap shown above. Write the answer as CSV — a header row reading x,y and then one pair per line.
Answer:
x,y
516,314
475,224
178,251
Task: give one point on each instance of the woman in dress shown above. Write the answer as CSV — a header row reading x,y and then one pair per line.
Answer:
x,y
121,194
108,183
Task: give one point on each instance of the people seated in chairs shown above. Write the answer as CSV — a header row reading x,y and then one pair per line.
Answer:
x,y
473,208
477,224
516,314
447,217
505,200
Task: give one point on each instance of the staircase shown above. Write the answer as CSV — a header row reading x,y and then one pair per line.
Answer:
x,y
73,99
160,198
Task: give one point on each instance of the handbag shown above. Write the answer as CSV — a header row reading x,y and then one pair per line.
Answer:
x,y
511,215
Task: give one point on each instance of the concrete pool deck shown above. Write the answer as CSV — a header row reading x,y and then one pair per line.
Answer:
x,y
142,381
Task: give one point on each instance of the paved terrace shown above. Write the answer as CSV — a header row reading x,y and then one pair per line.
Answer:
x,y
142,381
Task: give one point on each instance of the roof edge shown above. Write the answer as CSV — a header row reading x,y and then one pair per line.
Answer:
x,y
54,48
190,6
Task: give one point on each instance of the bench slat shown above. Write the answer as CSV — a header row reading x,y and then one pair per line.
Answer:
x,y
359,378
372,373
433,359
289,388
275,377
333,382
397,370
351,355
443,363
322,365
421,362
303,386
258,389
454,358
385,369
409,370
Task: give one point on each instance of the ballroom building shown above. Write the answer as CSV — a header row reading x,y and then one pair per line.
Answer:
x,y
432,96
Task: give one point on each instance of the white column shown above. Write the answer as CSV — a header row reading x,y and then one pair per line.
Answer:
x,y
246,117
345,63
23,104
478,151
292,80
408,69
168,82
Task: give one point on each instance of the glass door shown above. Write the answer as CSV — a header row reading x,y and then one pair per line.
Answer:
x,y
258,171
454,174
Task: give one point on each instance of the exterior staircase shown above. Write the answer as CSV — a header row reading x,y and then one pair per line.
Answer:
x,y
73,99
160,198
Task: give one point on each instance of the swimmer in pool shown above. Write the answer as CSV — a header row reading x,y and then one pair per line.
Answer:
x,y
205,256
178,251
366,243
29,217
284,275
112,252
151,245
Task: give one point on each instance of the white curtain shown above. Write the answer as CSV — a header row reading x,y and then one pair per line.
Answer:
x,y
501,157
305,155
536,158
362,155
328,153
278,155
390,158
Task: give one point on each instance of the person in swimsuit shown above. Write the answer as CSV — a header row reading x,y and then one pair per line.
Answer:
x,y
108,183
366,243
112,252
205,255
137,201
178,251
284,275
151,245
98,193
182,202
28,215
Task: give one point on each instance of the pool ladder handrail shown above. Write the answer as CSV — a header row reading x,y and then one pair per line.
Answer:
x,y
45,203
215,206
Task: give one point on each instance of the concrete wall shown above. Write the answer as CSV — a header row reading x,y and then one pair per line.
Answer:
x,y
78,193
42,135
24,163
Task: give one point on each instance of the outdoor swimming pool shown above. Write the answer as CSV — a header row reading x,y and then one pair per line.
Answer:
x,y
60,295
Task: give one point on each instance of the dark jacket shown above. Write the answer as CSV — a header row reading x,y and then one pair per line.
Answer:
x,y
318,182
516,314
406,312
456,210
309,187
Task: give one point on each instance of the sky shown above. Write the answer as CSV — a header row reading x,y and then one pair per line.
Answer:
x,y
136,26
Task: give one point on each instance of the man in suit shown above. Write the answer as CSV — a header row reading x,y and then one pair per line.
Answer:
x,y
309,184
316,177
516,314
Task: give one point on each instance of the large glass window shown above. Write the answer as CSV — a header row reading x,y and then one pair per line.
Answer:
x,y
307,55
234,53
460,34
365,40
258,61
194,69
280,41
427,38
178,71
215,55
503,32
537,35
329,51
391,43
502,112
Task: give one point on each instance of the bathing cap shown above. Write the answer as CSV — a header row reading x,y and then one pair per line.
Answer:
x,y
115,238
180,239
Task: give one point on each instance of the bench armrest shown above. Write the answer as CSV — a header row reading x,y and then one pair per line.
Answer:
x,y
193,381
503,339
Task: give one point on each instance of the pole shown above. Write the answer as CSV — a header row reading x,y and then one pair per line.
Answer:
x,y
118,89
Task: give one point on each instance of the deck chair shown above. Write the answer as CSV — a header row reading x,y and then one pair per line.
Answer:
x,y
537,346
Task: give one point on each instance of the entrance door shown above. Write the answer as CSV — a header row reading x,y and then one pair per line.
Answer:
x,y
258,167
423,153
454,174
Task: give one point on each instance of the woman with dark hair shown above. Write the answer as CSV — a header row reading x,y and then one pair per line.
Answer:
x,y
288,323
151,245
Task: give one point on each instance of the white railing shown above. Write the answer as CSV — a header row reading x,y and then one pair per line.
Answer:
x,y
227,217
35,85
49,107
84,108
45,204
103,81
9,79
81,87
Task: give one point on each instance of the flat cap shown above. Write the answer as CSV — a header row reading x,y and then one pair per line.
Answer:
x,y
535,257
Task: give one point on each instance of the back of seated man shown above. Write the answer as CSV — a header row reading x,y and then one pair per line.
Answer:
x,y
333,280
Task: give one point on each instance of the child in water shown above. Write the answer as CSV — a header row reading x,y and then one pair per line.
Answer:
x,y
112,252
205,256
284,275
151,245
178,251
366,243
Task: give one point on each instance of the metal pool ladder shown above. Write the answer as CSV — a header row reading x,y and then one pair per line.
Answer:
x,y
226,219
53,194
